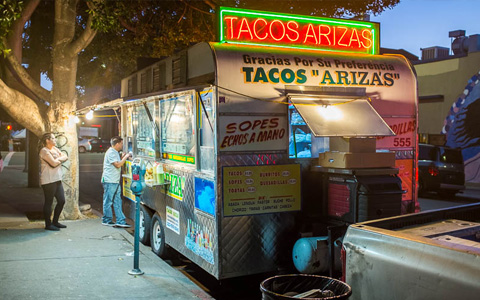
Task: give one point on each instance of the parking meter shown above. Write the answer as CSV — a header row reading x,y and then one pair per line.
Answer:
x,y
137,186
138,177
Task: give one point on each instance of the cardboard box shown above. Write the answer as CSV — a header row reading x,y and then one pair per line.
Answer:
x,y
355,145
350,160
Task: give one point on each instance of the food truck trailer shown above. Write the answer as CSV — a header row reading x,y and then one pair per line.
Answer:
x,y
284,125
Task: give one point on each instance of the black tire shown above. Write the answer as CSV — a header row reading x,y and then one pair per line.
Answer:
x,y
82,149
145,225
157,237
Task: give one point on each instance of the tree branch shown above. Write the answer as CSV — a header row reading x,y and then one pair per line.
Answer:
x,y
128,27
85,38
24,110
15,38
26,79
209,3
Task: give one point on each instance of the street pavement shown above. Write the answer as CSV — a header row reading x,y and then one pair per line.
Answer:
x,y
88,260
84,261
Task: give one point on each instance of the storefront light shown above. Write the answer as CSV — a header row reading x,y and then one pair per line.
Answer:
x,y
89,115
330,113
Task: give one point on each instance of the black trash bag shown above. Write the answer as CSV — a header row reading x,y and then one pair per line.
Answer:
x,y
286,286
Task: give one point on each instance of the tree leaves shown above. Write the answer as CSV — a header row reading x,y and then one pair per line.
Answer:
x,y
10,10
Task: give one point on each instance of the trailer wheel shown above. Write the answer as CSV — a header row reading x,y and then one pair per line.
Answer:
x,y
145,225
157,238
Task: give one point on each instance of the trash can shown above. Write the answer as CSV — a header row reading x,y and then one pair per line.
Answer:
x,y
312,286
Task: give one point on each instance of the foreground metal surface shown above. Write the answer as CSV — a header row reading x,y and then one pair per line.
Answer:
x,y
431,255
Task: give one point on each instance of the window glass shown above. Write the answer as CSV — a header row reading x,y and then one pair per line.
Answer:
x,y
128,124
206,126
427,153
177,124
452,156
145,131
301,141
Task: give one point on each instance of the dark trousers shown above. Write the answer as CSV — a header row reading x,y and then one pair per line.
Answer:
x,y
50,190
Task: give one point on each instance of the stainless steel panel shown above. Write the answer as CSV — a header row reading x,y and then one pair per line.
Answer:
x,y
156,198
253,244
347,118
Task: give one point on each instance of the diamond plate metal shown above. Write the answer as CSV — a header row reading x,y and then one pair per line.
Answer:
x,y
156,198
258,243
241,245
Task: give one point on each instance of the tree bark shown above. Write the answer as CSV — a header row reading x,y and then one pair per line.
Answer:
x,y
22,109
33,160
54,111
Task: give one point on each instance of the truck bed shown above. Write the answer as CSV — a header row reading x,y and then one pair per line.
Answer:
x,y
429,255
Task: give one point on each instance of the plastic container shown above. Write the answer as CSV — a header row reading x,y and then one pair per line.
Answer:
x,y
287,286
159,174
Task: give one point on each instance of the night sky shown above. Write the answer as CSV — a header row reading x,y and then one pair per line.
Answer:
x,y
415,24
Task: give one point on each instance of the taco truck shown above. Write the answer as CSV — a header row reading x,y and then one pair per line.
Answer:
x,y
286,127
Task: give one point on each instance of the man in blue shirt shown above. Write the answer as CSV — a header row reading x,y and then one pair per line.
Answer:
x,y
112,164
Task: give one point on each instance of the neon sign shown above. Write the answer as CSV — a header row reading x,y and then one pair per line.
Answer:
x,y
241,26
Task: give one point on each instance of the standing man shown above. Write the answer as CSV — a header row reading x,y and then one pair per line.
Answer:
x,y
112,164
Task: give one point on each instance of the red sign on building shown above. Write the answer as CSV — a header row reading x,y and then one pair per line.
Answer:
x,y
250,27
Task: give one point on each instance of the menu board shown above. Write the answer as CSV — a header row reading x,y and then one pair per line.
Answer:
x,y
251,190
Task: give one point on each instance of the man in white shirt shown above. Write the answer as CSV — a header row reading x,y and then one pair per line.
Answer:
x,y
112,164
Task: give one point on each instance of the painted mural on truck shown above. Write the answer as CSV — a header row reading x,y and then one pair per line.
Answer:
x,y
461,127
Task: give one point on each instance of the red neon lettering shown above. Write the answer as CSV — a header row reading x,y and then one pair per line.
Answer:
x,y
244,23
308,34
283,29
356,38
320,34
229,21
255,28
293,23
272,31
367,38
341,38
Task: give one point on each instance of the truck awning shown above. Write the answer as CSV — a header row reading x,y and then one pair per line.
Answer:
x,y
348,117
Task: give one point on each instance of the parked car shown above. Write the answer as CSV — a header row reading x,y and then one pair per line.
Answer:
x,y
84,145
441,169
99,144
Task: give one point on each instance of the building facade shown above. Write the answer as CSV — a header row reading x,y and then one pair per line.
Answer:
x,y
448,94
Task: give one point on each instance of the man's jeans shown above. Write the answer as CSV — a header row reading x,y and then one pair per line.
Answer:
x,y
111,195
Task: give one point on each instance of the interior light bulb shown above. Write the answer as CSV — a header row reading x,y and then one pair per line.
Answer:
x,y
330,113
76,119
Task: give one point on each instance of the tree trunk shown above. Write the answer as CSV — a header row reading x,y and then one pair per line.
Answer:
x,y
66,132
64,101
33,159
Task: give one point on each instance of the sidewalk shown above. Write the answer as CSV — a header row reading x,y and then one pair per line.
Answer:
x,y
84,261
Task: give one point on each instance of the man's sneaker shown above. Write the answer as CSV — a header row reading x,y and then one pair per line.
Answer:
x,y
123,225
109,223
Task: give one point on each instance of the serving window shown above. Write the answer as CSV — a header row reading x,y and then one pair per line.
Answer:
x,y
206,125
313,117
177,121
145,129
